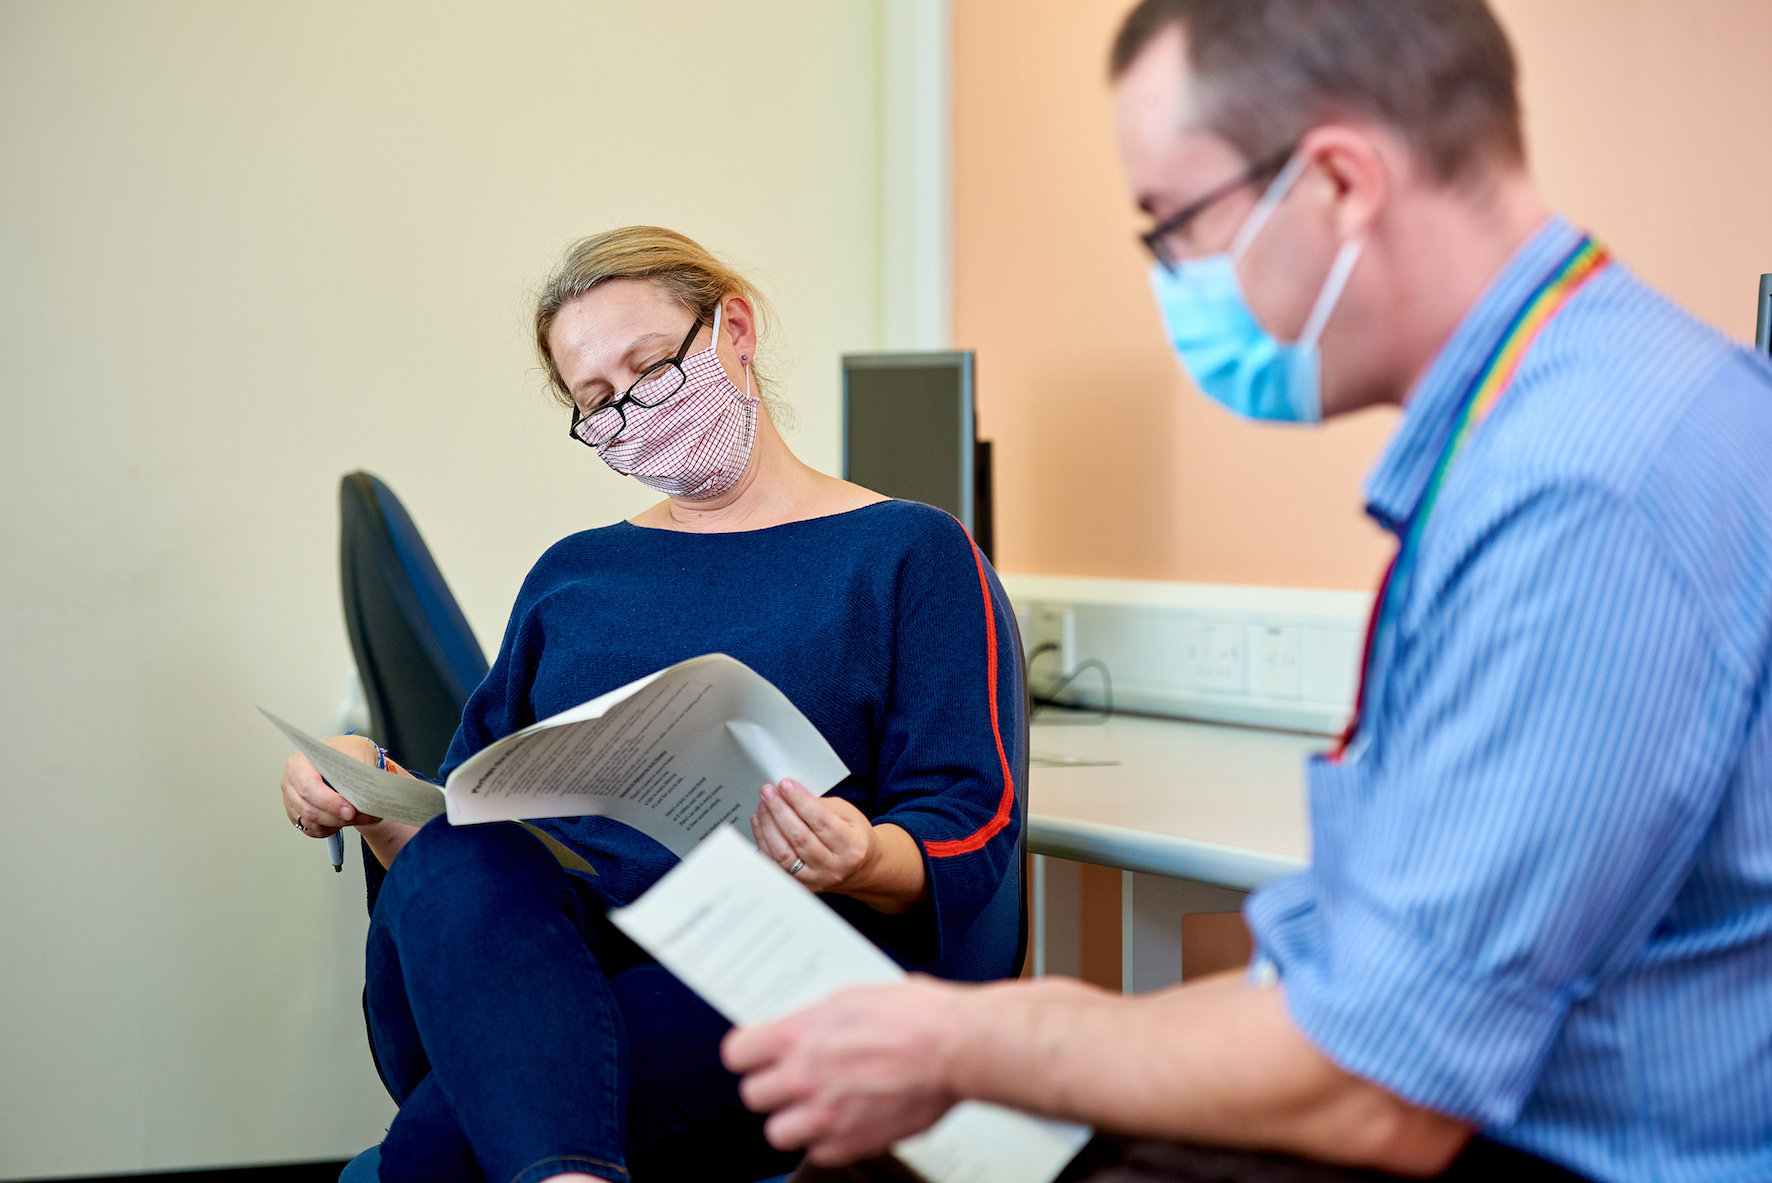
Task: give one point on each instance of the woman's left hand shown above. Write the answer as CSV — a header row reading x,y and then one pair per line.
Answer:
x,y
832,840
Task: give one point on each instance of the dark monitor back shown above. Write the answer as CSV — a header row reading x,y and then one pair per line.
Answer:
x,y
908,429
1763,316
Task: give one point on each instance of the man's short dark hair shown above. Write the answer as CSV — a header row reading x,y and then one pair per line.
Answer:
x,y
1438,72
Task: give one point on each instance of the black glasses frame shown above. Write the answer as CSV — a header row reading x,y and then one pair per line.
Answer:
x,y
1153,238
627,398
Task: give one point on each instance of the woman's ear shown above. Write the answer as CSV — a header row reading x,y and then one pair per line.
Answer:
x,y
740,326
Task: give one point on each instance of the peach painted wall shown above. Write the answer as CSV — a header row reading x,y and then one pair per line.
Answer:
x,y
1645,124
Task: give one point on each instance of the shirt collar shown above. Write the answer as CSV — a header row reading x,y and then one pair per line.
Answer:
x,y
1395,486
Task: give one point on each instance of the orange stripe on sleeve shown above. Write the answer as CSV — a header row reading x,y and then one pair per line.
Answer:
x,y
1005,807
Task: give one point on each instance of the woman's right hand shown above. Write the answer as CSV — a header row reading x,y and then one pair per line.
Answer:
x,y
311,805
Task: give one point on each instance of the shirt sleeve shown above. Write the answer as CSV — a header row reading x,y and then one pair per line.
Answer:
x,y
950,749
1559,724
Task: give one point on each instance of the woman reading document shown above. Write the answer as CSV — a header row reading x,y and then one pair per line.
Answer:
x,y
525,1039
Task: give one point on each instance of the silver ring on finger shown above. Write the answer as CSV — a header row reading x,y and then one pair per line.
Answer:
x,y
299,826
799,865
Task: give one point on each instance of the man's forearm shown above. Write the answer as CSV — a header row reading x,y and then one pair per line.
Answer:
x,y
1217,1061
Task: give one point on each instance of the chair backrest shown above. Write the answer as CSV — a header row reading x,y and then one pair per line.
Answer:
x,y
1021,799
417,656
415,653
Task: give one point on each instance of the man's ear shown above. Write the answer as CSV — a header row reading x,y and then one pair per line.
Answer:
x,y
1358,171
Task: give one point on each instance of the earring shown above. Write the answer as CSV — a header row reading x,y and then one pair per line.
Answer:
x,y
744,357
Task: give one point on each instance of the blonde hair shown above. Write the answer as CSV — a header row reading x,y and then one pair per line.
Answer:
x,y
688,272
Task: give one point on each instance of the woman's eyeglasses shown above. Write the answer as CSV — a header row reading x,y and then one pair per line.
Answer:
x,y
605,423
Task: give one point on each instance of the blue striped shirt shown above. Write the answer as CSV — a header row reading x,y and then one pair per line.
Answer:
x,y
1541,891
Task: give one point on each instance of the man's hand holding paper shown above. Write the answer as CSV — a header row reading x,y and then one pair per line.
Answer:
x,y
850,1076
854,1053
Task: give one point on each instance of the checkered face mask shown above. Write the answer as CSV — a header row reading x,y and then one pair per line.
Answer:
x,y
696,444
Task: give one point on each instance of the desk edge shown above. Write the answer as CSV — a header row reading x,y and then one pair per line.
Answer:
x,y
1235,867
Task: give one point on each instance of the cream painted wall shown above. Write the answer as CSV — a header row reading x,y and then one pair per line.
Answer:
x,y
1645,121
245,249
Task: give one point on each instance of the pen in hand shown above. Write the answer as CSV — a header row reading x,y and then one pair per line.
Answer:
x,y
335,841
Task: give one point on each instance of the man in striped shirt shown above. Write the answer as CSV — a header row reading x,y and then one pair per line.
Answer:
x,y
1536,936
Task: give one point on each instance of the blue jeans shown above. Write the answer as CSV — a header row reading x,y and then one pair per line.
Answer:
x,y
523,1036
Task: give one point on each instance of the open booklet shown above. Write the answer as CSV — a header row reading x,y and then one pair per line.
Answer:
x,y
740,932
676,755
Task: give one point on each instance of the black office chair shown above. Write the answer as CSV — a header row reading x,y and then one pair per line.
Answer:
x,y
1021,799
416,655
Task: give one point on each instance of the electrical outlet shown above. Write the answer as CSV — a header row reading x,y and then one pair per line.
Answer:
x,y
1264,657
1057,626
1215,658
1276,665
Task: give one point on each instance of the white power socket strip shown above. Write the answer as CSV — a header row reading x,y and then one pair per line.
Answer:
x,y
1259,656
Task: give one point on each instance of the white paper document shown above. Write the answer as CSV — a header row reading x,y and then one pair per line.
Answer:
x,y
740,932
377,793
676,755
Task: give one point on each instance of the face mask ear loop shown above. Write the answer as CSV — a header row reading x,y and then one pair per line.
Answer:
x,y
715,345
1264,209
1339,273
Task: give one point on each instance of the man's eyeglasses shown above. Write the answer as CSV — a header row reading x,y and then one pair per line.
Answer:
x,y
653,388
1167,241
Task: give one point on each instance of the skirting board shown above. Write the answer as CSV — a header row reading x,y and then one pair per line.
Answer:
x,y
298,1172
1223,653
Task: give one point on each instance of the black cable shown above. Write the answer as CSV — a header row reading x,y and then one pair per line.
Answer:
x,y
1051,699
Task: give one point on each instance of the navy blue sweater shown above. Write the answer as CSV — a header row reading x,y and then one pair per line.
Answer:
x,y
883,625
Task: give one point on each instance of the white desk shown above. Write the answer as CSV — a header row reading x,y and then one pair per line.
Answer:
x,y
1193,814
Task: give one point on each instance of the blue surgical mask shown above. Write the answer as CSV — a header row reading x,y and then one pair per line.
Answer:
x,y
1233,359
